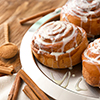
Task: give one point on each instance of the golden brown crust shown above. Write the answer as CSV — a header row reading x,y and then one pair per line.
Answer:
x,y
77,41
91,73
94,24
90,67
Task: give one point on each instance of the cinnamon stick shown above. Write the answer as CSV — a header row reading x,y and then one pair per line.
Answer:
x,y
15,88
30,93
37,15
40,94
6,70
6,32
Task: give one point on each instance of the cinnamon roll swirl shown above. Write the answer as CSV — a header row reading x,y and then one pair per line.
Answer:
x,y
91,63
59,44
84,13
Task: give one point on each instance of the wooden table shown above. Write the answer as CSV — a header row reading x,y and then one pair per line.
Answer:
x,y
12,11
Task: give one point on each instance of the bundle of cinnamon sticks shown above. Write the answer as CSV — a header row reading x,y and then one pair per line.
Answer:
x,y
31,89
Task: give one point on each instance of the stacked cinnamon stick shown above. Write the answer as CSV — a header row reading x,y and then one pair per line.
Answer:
x,y
27,90
31,89
15,88
6,55
6,70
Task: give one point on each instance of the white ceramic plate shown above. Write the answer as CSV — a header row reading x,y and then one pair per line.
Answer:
x,y
41,74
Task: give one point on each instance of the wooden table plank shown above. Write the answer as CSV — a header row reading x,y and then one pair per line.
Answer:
x,y
12,11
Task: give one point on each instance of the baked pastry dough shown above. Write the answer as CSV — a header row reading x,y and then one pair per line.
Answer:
x,y
59,44
84,13
91,63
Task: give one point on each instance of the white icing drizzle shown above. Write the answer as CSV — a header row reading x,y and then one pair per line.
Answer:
x,y
56,54
83,10
69,75
77,87
52,31
45,32
71,68
80,6
94,47
68,51
73,75
59,81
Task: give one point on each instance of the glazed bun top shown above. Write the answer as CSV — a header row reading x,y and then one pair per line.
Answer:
x,y
92,53
82,8
58,37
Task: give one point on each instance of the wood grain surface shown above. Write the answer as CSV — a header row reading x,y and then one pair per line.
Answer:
x,y
12,11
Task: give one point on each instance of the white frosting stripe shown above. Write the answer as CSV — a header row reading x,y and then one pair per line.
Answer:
x,y
53,37
83,9
94,47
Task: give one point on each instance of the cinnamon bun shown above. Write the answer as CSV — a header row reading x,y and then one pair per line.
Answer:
x,y
91,63
59,44
84,13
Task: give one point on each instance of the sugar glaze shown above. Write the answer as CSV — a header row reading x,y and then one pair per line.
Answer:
x,y
56,34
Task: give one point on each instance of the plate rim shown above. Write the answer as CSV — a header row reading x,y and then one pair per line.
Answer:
x,y
25,50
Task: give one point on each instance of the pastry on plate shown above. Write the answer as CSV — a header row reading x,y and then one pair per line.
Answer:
x,y
59,44
91,63
84,13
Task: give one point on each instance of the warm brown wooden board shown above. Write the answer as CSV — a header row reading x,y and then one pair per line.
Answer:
x,y
12,11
